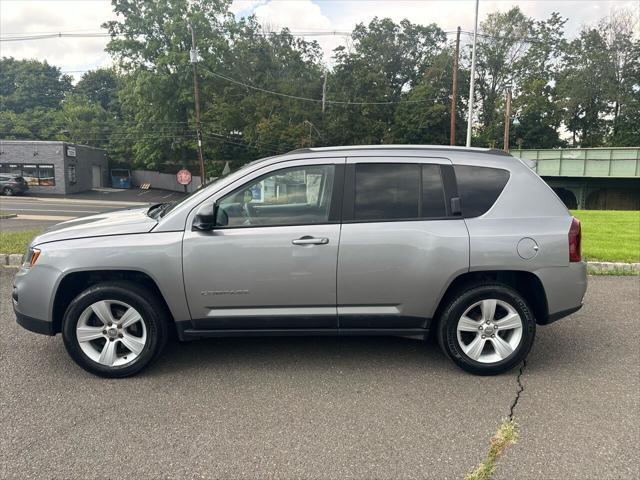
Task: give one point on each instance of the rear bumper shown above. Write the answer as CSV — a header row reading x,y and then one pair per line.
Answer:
x,y
35,325
559,315
565,288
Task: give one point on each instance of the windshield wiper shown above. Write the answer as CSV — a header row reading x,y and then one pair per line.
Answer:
x,y
157,209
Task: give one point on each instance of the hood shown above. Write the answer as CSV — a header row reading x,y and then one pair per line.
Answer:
x,y
119,222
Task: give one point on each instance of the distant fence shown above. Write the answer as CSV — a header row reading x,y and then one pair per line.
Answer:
x,y
622,162
164,181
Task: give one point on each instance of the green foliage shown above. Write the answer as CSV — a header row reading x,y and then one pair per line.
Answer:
x,y
30,84
506,436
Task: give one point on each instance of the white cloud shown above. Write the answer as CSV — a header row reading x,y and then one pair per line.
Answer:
x,y
298,15
244,7
56,16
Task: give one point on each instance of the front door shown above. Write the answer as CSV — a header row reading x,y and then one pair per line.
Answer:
x,y
270,263
96,176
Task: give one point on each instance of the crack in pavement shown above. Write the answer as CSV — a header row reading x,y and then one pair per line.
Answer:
x,y
520,389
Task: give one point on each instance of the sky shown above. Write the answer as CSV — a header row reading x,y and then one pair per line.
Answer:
x,y
76,55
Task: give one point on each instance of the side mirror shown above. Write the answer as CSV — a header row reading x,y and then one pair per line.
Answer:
x,y
205,219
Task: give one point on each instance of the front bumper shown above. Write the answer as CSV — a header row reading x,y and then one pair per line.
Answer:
x,y
34,324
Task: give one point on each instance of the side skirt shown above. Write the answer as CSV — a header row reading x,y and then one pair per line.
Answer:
x,y
186,334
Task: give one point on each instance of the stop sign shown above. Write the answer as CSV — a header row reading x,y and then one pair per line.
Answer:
x,y
183,177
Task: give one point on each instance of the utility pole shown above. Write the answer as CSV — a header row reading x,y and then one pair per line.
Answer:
x,y
454,90
324,89
507,118
193,57
473,77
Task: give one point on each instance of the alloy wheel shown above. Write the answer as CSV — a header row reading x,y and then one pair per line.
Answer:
x,y
489,331
111,333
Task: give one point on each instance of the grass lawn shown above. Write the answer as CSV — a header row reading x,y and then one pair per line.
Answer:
x,y
16,242
610,235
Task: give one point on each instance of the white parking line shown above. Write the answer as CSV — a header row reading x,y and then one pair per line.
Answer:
x,y
52,218
47,210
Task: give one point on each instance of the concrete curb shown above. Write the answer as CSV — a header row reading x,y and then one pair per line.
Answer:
x,y
613,268
14,260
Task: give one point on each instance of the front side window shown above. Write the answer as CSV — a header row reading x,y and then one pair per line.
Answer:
x,y
291,196
398,191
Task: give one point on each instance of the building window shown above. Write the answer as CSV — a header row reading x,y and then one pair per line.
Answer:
x,y
34,174
46,175
30,174
72,174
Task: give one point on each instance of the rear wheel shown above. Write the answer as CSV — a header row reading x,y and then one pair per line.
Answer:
x,y
114,329
487,330
7,191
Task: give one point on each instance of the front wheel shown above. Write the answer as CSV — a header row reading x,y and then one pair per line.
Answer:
x,y
487,330
114,329
7,191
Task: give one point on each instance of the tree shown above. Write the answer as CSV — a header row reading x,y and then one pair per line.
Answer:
x,y
501,47
428,122
386,60
151,43
100,86
618,32
27,84
585,86
535,103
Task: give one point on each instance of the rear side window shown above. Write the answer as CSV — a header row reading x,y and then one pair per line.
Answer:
x,y
397,191
479,188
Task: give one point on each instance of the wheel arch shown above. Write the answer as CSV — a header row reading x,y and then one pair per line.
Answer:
x,y
525,283
74,283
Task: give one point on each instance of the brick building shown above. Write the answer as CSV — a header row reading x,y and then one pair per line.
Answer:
x,y
55,167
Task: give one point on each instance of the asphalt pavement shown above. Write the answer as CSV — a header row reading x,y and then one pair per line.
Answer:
x,y
325,408
36,211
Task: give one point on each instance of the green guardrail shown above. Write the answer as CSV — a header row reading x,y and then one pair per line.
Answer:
x,y
623,162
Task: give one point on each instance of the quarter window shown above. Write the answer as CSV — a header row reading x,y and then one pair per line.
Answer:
x,y
291,196
479,188
398,191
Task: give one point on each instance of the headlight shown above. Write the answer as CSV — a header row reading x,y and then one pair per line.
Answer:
x,y
31,257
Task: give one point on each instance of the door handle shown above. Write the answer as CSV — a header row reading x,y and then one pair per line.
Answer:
x,y
308,240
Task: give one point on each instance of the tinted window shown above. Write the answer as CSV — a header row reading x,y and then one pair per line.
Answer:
x,y
291,196
432,192
479,188
386,191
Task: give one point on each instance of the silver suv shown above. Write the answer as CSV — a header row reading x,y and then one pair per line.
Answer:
x,y
469,244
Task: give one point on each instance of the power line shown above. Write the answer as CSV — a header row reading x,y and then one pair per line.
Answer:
x,y
51,35
28,36
307,99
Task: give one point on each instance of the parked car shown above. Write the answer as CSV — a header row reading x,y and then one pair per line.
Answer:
x,y
12,184
469,244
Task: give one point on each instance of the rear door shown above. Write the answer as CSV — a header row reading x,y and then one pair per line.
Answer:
x,y
401,243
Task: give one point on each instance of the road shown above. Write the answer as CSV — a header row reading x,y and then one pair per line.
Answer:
x,y
40,212
328,408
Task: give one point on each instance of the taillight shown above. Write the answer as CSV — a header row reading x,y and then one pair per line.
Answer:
x,y
575,237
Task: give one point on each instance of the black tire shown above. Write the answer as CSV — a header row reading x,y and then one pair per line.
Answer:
x,y
446,329
144,301
7,191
